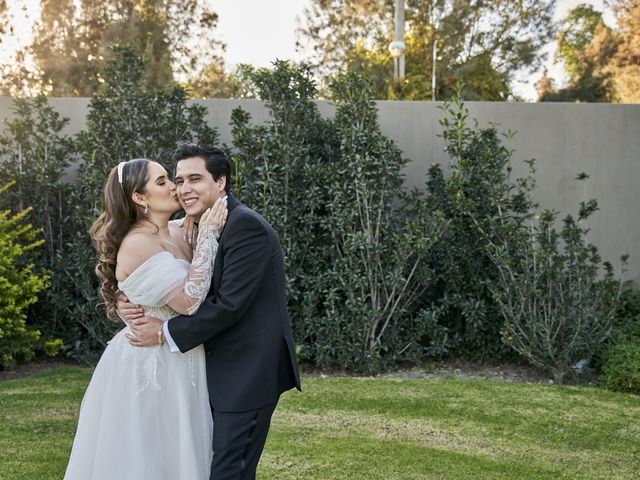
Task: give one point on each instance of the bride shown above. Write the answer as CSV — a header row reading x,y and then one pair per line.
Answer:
x,y
146,413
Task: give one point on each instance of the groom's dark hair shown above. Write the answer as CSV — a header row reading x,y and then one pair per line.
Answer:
x,y
215,161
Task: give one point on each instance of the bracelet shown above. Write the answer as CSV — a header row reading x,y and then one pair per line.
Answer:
x,y
160,341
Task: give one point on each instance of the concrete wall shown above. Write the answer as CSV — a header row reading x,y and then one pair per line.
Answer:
x,y
602,140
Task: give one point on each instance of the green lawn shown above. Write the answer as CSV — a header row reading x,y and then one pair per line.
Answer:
x,y
352,428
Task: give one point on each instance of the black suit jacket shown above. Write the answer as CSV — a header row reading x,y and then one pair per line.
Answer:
x,y
243,323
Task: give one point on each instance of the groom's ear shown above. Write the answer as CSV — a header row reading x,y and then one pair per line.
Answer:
x,y
221,183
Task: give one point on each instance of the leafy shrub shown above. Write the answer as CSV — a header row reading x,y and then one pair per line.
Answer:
x,y
503,275
281,171
627,318
621,371
35,153
556,306
376,275
621,353
329,188
379,248
478,195
20,284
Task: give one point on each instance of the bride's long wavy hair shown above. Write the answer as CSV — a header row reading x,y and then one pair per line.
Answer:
x,y
108,231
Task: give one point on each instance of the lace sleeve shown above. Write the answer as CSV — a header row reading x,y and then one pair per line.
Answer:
x,y
198,282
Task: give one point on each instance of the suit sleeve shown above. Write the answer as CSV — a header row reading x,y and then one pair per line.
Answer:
x,y
246,260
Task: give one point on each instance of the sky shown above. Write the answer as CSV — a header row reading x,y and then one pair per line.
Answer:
x,y
25,12
259,31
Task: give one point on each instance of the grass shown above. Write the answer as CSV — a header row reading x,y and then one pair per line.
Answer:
x,y
365,428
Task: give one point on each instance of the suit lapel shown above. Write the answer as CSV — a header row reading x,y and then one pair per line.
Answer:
x,y
232,203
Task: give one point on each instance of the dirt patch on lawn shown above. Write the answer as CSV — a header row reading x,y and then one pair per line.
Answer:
x,y
451,369
472,371
454,369
36,367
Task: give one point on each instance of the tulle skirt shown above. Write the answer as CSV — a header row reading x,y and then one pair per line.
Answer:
x,y
145,415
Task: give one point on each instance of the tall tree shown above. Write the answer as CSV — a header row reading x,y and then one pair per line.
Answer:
x,y
191,36
545,86
72,37
624,64
602,63
577,31
213,81
585,43
15,77
482,42
71,42
3,17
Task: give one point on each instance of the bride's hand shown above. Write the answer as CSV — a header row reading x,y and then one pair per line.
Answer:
x,y
189,229
215,216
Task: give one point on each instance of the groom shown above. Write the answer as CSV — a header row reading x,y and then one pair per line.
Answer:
x,y
243,323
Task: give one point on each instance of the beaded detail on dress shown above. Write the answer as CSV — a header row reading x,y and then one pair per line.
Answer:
x,y
146,370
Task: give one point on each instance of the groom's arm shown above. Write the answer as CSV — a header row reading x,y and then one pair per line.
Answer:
x,y
246,261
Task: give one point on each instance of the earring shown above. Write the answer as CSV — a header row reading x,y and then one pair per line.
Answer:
x,y
146,209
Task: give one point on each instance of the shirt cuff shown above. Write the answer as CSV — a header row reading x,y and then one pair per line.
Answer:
x,y
167,336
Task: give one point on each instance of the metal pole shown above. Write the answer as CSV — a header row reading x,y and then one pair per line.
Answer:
x,y
434,50
433,71
399,37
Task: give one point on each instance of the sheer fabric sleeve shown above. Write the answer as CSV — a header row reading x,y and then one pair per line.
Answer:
x,y
187,300
154,282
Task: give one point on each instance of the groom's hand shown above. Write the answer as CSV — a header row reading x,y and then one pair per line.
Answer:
x,y
145,332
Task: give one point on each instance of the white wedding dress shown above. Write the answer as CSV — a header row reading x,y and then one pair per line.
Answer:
x,y
146,414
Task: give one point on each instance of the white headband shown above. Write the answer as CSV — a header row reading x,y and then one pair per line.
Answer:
x,y
120,171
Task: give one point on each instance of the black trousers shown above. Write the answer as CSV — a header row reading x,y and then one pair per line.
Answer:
x,y
238,441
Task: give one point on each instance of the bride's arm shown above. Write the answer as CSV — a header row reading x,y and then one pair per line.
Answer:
x,y
188,298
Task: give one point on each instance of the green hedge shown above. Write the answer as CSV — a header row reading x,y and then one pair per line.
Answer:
x,y
20,284
621,354
378,276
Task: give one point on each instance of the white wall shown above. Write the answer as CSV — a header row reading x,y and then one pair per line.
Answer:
x,y
602,140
